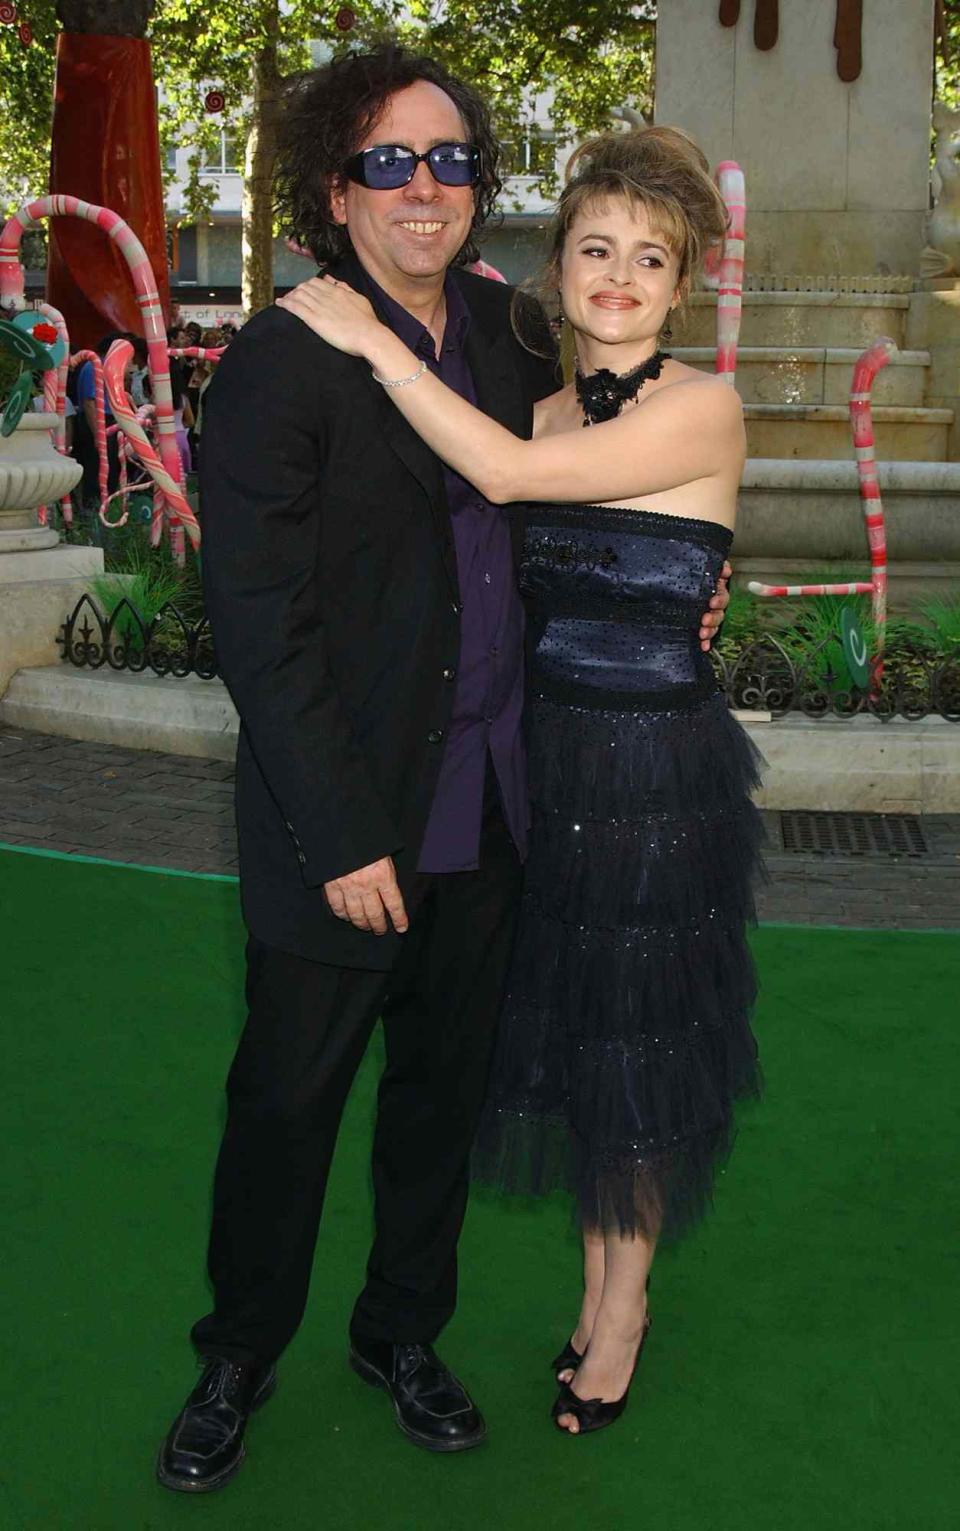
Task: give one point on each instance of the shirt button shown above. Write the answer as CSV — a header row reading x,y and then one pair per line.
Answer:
x,y
486,578
301,858
456,608
435,735
449,673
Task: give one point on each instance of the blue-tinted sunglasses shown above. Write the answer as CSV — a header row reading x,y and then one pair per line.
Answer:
x,y
389,166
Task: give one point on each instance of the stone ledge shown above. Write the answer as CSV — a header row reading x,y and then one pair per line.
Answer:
x,y
831,764
789,297
882,413
847,355
860,765
144,712
817,474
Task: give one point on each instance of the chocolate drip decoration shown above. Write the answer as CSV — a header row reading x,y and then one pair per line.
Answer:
x,y
729,12
766,24
847,34
603,394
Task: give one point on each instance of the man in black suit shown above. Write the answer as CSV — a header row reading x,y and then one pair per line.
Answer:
x,y
368,626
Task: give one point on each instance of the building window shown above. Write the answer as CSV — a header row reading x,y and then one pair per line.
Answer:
x,y
182,252
225,158
531,157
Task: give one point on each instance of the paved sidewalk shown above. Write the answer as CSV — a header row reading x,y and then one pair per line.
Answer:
x,y
174,811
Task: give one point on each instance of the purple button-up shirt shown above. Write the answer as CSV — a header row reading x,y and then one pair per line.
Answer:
x,y
488,686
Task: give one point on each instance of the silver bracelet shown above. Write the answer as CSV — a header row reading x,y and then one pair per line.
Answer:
x,y
400,382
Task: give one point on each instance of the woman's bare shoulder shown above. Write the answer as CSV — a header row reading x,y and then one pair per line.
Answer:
x,y
704,394
551,415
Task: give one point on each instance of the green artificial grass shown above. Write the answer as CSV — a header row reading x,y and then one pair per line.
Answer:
x,y
797,1375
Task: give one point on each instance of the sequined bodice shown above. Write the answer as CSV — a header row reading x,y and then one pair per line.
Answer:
x,y
614,600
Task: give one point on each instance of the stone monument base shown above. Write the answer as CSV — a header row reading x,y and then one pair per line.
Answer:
x,y
38,590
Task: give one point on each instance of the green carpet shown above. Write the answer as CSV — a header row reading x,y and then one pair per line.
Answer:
x,y
797,1375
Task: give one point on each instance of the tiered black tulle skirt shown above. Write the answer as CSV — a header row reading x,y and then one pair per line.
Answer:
x,y
625,1038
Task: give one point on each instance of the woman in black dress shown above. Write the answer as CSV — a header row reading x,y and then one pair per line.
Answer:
x,y
625,1036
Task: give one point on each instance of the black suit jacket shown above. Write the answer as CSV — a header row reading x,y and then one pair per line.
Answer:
x,y
331,584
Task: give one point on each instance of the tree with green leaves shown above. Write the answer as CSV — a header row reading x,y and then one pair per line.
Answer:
x,y
589,58
591,61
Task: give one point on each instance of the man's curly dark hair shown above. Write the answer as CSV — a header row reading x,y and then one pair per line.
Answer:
x,y
325,116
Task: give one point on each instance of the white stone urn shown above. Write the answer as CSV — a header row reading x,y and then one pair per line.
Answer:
x,y
32,473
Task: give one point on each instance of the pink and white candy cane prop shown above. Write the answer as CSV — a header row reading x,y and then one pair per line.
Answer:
x,y
867,366
168,495
732,188
199,353
55,400
100,433
11,292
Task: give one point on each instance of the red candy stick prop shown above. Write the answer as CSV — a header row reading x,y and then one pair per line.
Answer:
x,y
730,183
868,365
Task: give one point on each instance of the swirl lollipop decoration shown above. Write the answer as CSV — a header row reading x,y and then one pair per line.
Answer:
x,y
141,274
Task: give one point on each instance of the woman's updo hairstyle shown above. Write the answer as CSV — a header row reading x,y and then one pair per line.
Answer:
x,y
661,170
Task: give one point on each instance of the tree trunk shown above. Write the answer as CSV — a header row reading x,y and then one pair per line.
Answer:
x,y
257,216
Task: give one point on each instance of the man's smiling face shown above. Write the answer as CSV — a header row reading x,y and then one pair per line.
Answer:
x,y
414,232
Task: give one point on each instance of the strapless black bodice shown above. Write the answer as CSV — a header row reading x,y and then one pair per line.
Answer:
x,y
614,599
625,1036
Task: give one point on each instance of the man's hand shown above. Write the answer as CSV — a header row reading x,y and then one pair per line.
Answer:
x,y
367,896
711,619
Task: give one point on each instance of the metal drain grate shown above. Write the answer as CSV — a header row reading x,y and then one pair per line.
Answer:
x,y
852,834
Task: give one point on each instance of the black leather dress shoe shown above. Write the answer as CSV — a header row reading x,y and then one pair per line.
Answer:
x,y
432,1408
205,1445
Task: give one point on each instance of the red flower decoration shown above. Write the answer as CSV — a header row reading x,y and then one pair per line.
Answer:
x,y
8,14
25,33
214,101
345,19
45,333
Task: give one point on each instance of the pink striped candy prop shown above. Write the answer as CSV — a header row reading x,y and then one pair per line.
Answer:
x,y
169,498
145,286
199,353
55,400
872,361
732,188
867,366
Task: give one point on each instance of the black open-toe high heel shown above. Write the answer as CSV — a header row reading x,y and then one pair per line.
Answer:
x,y
568,1360
593,1413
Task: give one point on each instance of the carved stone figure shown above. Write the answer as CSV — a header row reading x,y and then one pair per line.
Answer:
x,y
941,257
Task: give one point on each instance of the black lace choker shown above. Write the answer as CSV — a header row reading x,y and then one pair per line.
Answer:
x,y
603,394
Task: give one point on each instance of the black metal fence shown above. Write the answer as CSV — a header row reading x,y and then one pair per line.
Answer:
x,y
765,676
762,676
169,643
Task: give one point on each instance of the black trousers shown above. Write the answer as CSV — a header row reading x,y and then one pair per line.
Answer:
x,y
307,1029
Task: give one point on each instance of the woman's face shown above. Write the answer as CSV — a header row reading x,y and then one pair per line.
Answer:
x,y
618,276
